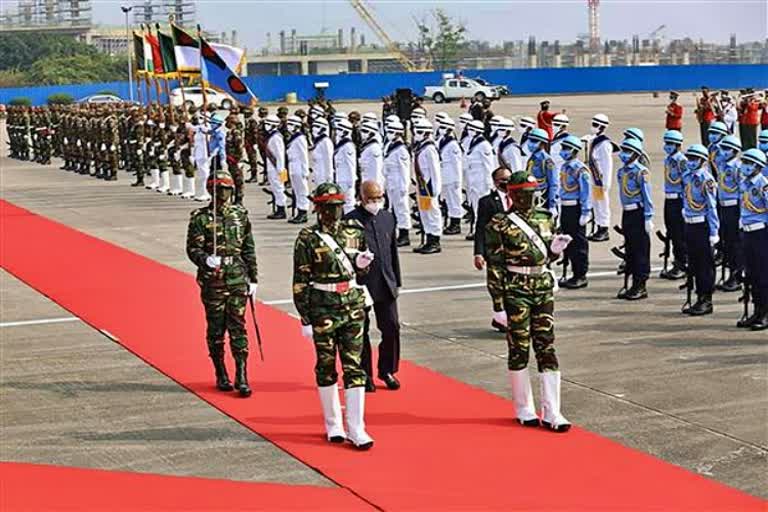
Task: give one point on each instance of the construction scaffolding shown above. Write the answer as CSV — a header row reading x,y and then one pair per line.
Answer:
x,y
149,12
47,15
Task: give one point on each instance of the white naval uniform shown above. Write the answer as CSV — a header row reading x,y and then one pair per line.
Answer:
x,y
322,161
276,148
297,153
510,154
601,166
427,161
452,168
345,163
481,163
202,162
372,161
397,170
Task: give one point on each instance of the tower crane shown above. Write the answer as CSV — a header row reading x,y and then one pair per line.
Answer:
x,y
366,15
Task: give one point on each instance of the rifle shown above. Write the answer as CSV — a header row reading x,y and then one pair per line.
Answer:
x,y
271,201
665,254
623,257
623,265
256,326
744,299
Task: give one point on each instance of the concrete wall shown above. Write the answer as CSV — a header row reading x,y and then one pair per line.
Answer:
x,y
519,81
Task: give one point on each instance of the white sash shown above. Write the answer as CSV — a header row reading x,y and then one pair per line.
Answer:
x,y
345,262
529,232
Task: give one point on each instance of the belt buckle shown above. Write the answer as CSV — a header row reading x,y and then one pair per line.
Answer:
x,y
342,287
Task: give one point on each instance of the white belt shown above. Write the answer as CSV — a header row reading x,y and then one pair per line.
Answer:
x,y
757,226
630,207
695,220
528,271
672,195
341,287
569,202
729,202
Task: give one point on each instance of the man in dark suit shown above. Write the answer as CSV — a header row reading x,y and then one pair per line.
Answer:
x,y
488,206
382,281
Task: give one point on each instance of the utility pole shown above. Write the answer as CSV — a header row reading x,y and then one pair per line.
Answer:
x,y
129,44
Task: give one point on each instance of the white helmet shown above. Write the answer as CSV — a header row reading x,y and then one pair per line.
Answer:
x,y
441,115
601,119
446,122
476,126
316,112
339,116
271,122
343,127
418,113
507,125
463,120
421,128
369,116
496,123
320,126
560,121
391,118
395,127
526,123
370,127
293,122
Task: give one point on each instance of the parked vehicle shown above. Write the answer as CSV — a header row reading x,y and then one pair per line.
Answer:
x,y
101,98
503,89
194,96
456,88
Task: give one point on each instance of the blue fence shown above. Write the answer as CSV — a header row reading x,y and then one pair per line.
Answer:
x,y
519,81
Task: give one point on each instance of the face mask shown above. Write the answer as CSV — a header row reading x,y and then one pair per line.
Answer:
x,y
374,207
763,147
670,149
713,138
594,130
565,154
694,164
625,157
329,214
532,146
747,169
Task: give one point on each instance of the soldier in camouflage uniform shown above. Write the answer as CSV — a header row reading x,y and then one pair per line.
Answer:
x,y
112,144
520,244
251,136
328,257
227,275
136,141
234,149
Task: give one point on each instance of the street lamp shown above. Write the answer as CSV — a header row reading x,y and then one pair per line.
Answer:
x,y
129,42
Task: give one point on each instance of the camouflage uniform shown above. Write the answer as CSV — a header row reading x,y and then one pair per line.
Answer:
x,y
234,149
136,141
251,136
521,285
112,143
224,290
328,299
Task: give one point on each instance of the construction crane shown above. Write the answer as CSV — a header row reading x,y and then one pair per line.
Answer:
x,y
368,18
658,35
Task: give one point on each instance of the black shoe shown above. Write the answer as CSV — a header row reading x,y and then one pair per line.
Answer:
x,y
300,218
241,374
675,273
470,237
745,323
560,429
529,423
403,238
278,215
138,183
370,386
431,246
574,283
337,439
601,235
702,307
454,228
761,322
222,379
391,381
499,327
732,284
637,292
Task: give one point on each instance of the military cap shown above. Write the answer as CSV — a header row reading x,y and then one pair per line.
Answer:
x,y
328,193
220,178
520,180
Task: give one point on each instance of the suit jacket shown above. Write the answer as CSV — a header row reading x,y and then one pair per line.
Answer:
x,y
488,206
383,279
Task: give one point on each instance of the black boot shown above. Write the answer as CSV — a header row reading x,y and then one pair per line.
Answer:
x,y
675,273
601,235
703,306
454,228
370,386
300,218
403,238
139,182
638,291
575,283
222,379
431,246
760,322
241,374
278,215
732,284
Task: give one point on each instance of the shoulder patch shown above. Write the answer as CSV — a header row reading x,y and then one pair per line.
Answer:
x,y
198,211
353,223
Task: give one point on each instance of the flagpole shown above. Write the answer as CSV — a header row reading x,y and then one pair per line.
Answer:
x,y
205,113
136,66
146,71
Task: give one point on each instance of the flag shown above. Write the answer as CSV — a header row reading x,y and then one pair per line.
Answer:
x,y
138,52
168,53
188,54
155,57
217,75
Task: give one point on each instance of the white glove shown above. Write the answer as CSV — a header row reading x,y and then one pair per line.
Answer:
x,y
649,226
584,219
553,211
66,140
255,147
112,147
500,317
191,160
161,158
252,287
103,147
364,259
79,143
139,152
559,243
213,261
306,331
713,240
177,156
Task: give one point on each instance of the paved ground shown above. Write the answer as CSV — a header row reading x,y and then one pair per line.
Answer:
x,y
693,392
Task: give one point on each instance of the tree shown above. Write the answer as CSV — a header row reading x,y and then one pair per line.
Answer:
x,y
21,51
442,40
76,69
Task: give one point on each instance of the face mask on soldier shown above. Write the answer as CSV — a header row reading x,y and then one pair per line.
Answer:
x,y
694,164
763,146
374,207
532,146
625,156
566,154
670,149
747,169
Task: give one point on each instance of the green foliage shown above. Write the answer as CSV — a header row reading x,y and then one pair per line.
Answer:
x,y
12,78
442,40
76,69
20,101
60,98
20,51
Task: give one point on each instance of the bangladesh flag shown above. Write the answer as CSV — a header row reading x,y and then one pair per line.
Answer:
x,y
168,53
138,52
186,51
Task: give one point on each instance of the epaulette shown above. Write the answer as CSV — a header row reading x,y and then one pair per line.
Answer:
x,y
353,223
198,211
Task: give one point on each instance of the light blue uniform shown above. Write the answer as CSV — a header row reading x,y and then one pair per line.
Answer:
x,y
635,188
675,165
576,185
699,199
542,166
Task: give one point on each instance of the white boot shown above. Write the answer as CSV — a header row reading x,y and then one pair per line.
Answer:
x,y
522,395
334,421
189,188
176,179
355,398
152,185
165,182
550,402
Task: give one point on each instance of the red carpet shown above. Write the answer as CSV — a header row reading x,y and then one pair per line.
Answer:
x,y
28,487
440,444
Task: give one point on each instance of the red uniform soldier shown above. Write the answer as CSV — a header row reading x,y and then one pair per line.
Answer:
x,y
674,113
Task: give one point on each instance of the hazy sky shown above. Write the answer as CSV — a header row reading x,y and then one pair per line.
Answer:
x,y
491,20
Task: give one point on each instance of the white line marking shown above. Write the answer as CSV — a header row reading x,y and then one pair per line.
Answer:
x,y
451,287
41,321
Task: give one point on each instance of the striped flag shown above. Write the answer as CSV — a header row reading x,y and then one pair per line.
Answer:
x,y
187,52
217,75
155,57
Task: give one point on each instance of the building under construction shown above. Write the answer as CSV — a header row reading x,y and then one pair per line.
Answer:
x,y
63,16
149,12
